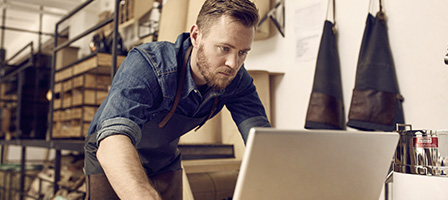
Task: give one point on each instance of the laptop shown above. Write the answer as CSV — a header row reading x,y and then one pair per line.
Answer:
x,y
314,164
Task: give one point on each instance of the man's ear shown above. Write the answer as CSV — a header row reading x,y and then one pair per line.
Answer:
x,y
195,35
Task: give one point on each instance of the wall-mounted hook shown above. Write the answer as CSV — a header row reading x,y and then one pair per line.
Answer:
x,y
446,57
272,15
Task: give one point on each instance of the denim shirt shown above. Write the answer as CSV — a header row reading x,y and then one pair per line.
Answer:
x,y
145,85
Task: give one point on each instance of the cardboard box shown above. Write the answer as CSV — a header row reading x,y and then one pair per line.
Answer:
x,y
67,100
88,97
141,7
67,85
66,56
57,104
5,119
173,20
57,88
93,81
64,74
102,63
84,113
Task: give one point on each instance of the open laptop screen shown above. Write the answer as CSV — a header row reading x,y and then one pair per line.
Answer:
x,y
317,164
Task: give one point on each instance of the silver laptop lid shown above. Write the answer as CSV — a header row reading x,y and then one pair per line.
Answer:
x,y
317,164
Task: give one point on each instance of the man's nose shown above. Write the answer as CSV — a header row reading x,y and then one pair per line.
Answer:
x,y
232,61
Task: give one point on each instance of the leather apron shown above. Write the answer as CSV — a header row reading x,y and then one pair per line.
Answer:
x,y
376,103
326,104
157,149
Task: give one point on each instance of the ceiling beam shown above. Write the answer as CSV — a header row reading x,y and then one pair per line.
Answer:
x,y
60,4
33,9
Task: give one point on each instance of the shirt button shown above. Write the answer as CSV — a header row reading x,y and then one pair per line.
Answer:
x,y
196,91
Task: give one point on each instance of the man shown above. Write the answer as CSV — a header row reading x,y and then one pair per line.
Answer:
x,y
162,91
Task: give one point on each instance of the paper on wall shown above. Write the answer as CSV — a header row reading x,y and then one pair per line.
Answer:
x,y
307,26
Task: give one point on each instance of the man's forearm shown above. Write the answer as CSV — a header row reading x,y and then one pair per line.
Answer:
x,y
121,163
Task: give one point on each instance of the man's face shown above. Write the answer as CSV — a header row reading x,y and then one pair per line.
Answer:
x,y
222,52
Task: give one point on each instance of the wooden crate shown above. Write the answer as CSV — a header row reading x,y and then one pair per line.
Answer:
x,y
57,104
57,88
63,74
65,115
66,56
78,128
88,97
84,113
67,100
66,129
5,120
101,63
67,85
86,129
67,132
57,115
71,128
57,127
93,81
82,88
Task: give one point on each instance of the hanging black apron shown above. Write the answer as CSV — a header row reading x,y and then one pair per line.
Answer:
x,y
326,105
157,150
376,103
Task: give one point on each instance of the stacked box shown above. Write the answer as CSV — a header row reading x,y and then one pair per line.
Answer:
x,y
79,90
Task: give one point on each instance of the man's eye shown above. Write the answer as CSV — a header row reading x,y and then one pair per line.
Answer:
x,y
243,53
225,49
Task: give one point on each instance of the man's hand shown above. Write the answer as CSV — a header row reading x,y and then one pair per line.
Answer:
x,y
121,163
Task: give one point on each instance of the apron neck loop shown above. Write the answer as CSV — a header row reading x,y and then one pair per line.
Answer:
x,y
380,15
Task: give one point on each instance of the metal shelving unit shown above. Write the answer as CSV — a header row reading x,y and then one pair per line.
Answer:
x,y
190,152
59,145
15,72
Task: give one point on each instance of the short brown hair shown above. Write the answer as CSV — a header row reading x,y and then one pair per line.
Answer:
x,y
243,11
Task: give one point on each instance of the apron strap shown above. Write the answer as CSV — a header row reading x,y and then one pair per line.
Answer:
x,y
371,6
215,105
381,5
333,4
380,15
179,89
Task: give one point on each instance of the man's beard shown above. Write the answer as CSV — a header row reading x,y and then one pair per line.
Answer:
x,y
213,79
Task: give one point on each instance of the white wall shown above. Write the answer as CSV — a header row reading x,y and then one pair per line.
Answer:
x,y
418,34
16,40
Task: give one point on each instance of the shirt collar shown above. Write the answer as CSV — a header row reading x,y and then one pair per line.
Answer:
x,y
189,85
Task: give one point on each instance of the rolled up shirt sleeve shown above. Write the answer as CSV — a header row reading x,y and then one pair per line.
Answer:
x,y
245,126
120,125
132,100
